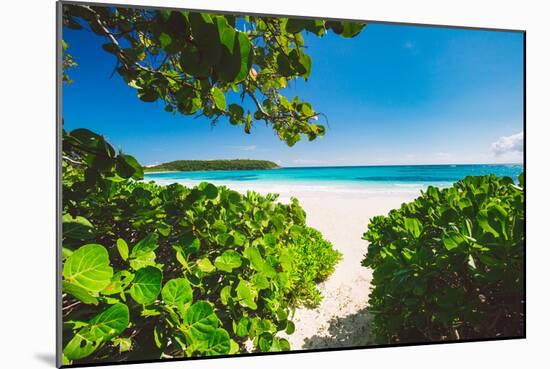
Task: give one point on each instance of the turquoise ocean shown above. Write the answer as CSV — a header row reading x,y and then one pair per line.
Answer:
x,y
357,177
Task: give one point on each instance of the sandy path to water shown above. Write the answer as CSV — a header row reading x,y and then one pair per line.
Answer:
x,y
342,320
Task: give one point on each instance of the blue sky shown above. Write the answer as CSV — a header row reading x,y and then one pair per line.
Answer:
x,y
395,94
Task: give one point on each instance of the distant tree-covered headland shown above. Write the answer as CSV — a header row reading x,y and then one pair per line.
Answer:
x,y
196,165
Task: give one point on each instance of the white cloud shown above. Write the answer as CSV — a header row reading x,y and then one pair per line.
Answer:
x,y
443,156
508,144
308,162
243,148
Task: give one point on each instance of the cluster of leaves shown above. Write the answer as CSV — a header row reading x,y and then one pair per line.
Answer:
x,y
67,63
155,271
450,264
196,62
194,165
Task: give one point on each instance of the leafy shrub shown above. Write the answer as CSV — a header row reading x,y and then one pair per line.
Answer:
x,y
450,264
155,271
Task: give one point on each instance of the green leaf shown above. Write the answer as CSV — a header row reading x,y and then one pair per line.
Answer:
x,y
177,292
290,327
284,66
124,344
219,342
77,228
280,344
79,293
346,29
413,227
247,295
225,295
119,282
228,261
143,260
245,51
122,248
296,25
88,267
109,323
205,265
452,240
201,321
265,341
165,40
233,347
101,328
210,191
258,263
219,98
145,246
127,166
146,285
243,327
79,347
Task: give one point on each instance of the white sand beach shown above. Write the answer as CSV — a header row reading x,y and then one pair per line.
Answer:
x,y
341,213
341,320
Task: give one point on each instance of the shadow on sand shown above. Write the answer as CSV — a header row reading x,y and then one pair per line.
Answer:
x,y
350,331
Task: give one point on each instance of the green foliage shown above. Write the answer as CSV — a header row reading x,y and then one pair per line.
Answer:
x,y
450,264
196,62
181,271
67,63
195,165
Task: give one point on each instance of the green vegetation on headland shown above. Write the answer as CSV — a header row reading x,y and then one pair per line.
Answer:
x,y
201,165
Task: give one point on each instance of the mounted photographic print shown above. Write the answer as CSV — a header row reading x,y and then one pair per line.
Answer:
x,y
245,184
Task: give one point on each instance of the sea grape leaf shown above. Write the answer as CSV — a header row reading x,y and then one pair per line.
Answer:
x,y
165,40
245,48
205,265
79,347
260,281
119,282
219,342
219,98
265,341
146,285
452,240
280,344
88,267
246,295
127,166
101,328
77,228
210,190
228,261
201,321
233,347
177,292
124,344
243,327
122,248
109,323
143,260
225,295
290,327
79,293
413,227
144,246
258,263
